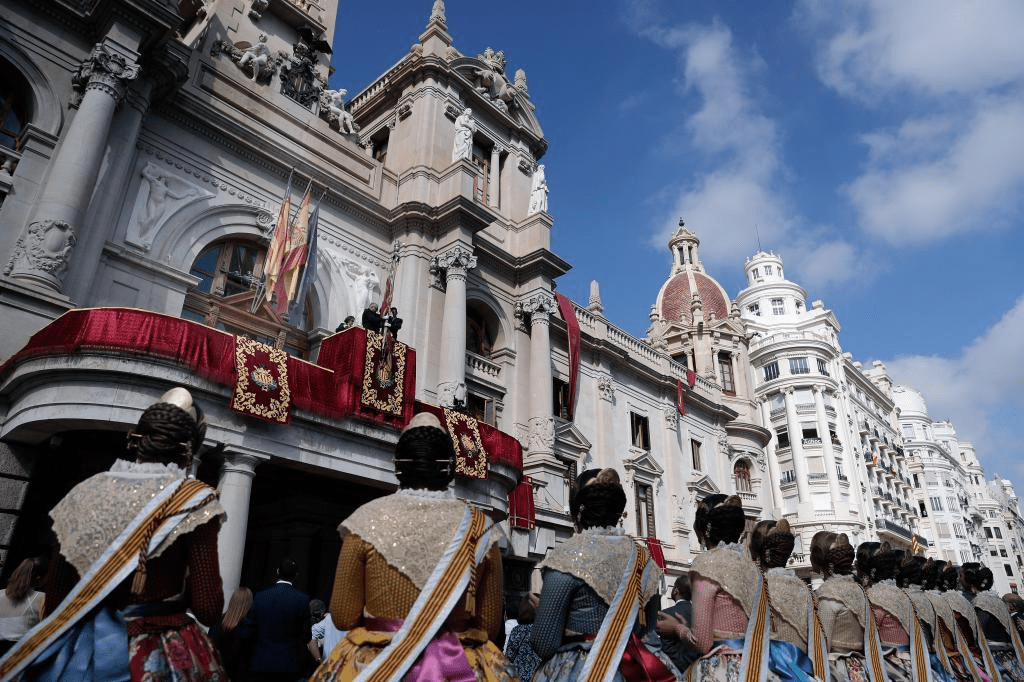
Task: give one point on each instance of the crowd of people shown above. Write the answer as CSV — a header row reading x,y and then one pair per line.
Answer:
x,y
133,592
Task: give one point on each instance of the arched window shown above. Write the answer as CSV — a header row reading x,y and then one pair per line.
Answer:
x,y
481,329
229,273
741,472
15,102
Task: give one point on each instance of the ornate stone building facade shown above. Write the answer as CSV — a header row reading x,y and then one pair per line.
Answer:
x,y
144,150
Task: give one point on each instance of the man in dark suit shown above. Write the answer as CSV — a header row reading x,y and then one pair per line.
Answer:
x,y
281,613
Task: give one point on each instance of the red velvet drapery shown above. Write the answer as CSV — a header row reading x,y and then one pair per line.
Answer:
x,y
521,511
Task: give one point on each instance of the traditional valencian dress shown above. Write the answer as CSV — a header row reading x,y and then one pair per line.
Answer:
x,y
731,616
1003,639
972,639
793,617
844,612
938,662
419,589
125,619
902,640
594,585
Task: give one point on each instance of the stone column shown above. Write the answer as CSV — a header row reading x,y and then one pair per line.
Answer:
x,y
235,488
826,445
44,250
120,154
773,460
542,422
493,176
454,265
795,446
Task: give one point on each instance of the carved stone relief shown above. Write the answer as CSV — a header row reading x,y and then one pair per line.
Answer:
x,y
159,197
300,78
255,61
332,110
457,261
606,388
105,70
541,437
43,252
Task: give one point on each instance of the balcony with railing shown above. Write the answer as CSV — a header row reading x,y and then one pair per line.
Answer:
x,y
811,442
479,366
896,528
788,477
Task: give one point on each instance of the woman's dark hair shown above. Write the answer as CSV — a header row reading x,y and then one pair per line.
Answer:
x,y
876,562
933,574
975,577
911,571
771,544
831,553
22,579
598,499
719,519
950,578
167,434
425,455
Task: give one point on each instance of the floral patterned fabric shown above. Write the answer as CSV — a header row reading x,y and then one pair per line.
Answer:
x,y
183,655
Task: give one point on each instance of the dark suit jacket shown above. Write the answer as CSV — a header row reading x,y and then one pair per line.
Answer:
x,y
281,613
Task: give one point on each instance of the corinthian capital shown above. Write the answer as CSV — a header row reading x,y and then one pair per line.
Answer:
x,y
106,70
455,262
539,306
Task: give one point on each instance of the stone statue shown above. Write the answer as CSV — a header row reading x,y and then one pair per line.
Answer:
x,y
538,192
334,105
159,191
491,81
257,57
465,126
365,283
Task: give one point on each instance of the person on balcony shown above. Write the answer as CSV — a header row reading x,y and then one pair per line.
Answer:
x,y
418,586
137,554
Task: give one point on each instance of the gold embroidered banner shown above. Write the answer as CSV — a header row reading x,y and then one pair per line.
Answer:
x,y
261,382
384,374
470,455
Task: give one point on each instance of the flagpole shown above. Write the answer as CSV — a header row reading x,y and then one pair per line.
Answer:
x,y
273,249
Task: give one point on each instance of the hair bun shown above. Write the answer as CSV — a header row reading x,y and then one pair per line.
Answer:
x,y
607,476
733,501
780,527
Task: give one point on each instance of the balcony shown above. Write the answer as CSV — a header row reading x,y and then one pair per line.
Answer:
x,y
817,477
482,367
811,442
897,529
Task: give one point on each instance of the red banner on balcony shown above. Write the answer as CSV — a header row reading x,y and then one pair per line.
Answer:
x,y
470,454
261,382
654,547
691,378
680,398
384,374
569,315
521,511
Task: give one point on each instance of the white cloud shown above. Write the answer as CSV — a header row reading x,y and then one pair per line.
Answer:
x,y
978,391
922,183
821,263
930,46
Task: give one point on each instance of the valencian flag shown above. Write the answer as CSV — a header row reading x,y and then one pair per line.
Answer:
x,y
293,256
272,265
385,305
309,271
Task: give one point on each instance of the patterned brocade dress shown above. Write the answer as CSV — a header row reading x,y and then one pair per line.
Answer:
x,y
581,577
393,547
725,585
995,621
841,603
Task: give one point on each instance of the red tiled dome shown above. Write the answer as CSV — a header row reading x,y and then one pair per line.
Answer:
x,y
674,299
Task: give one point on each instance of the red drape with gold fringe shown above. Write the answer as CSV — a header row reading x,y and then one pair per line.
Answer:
x,y
521,510
573,325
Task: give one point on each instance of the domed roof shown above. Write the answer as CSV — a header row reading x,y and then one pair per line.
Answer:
x,y
677,293
687,277
910,401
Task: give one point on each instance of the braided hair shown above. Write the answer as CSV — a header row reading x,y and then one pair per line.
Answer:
x,y
167,434
876,562
911,571
719,519
975,577
771,544
831,553
598,499
424,455
933,574
950,578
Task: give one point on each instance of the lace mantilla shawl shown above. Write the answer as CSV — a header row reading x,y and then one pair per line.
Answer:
x,y
894,600
925,610
737,575
844,589
598,556
409,529
94,513
959,603
942,610
989,602
789,599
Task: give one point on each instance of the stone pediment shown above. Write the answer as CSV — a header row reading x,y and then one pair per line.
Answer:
x,y
643,467
486,74
570,443
701,485
728,326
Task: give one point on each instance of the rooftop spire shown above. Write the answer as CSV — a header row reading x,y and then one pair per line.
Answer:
x,y
437,15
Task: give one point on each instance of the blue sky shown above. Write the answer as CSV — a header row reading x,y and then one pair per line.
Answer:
x,y
877,146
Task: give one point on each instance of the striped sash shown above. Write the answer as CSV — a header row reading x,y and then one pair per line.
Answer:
x,y
443,590
986,654
755,649
817,648
920,666
1018,646
965,651
164,512
605,653
873,646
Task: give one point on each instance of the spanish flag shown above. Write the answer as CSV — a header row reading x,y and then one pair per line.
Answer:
x,y
293,256
272,265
